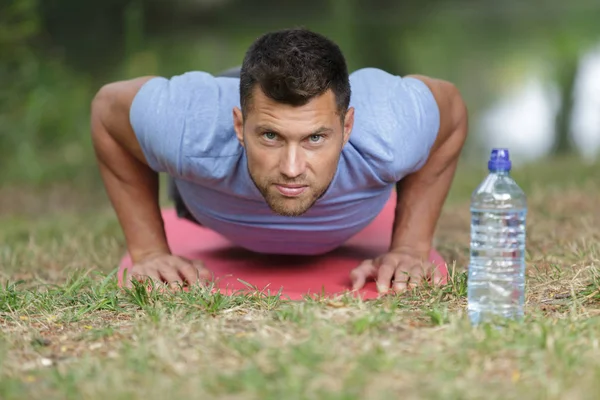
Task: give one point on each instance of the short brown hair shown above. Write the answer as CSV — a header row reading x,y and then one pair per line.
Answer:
x,y
293,66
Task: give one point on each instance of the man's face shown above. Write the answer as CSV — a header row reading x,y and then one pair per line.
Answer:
x,y
292,152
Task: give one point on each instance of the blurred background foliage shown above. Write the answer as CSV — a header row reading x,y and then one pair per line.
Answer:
x,y
528,69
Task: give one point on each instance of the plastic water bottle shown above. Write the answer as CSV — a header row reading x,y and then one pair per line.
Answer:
x,y
496,275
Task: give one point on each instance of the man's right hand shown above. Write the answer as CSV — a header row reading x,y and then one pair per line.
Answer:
x,y
166,268
132,187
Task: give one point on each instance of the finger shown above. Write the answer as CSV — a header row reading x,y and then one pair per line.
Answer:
x,y
401,280
133,274
151,274
189,273
127,278
429,273
385,274
170,275
360,274
404,280
204,274
437,275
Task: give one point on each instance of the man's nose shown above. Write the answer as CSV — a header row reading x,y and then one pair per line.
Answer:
x,y
293,163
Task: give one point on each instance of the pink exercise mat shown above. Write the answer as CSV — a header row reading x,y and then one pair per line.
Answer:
x,y
295,276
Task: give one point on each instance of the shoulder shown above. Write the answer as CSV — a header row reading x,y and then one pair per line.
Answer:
x,y
396,121
185,117
371,78
195,102
192,93
371,85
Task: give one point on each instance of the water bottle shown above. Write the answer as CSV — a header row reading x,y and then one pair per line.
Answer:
x,y
496,275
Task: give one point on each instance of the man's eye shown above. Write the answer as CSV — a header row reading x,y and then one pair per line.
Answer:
x,y
315,138
269,135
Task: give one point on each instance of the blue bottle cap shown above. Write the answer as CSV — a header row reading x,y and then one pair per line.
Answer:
x,y
499,160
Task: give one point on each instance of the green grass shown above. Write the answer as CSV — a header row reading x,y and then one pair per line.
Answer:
x,y
68,332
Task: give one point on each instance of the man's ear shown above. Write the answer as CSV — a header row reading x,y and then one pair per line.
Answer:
x,y
348,124
238,124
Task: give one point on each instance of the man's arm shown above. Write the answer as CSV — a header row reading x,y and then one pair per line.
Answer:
x,y
131,184
132,187
421,194
420,198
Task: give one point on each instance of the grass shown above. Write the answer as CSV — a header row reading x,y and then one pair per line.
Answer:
x,y
68,332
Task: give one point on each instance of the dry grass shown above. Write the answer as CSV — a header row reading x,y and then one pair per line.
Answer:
x,y
67,332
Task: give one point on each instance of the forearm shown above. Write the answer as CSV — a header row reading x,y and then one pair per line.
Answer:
x,y
132,187
421,195
420,198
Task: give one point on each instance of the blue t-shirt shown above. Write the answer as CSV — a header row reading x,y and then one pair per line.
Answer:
x,y
185,128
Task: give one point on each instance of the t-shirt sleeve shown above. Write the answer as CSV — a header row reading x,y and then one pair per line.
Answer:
x,y
163,111
396,124
418,116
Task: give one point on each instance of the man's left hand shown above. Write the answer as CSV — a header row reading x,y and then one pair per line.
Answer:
x,y
398,270
420,197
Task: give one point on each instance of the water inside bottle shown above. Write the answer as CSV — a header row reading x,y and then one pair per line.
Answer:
x,y
497,267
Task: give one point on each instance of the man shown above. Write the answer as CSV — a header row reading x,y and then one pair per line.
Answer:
x,y
294,157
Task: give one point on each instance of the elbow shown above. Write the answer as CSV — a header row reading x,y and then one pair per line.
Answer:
x,y
100,108
459,113
104,107
101,101
112,102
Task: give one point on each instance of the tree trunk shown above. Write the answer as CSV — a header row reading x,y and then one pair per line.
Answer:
x,y
566,76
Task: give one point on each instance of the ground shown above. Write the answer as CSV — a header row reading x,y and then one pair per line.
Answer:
x,y
66,331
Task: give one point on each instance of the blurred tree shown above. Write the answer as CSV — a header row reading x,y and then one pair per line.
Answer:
x,y
88,35
19,26
566,66
43,105
382,29
375,31
55,53
552,30
95,36
569,37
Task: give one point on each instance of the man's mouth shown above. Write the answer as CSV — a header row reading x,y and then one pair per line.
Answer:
x,y
291,190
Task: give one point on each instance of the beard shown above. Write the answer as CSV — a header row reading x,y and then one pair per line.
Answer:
x,y
288,207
